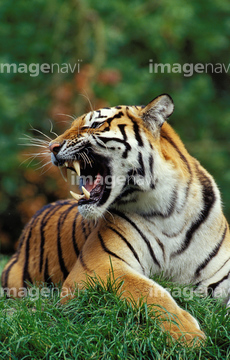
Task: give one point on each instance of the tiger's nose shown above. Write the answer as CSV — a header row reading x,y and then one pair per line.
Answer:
x,y
54,147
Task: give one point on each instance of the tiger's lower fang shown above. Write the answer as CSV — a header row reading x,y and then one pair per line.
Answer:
x,y
86,192
76,196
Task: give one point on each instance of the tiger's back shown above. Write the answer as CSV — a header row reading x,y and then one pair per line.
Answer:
x,y
48,246
160,211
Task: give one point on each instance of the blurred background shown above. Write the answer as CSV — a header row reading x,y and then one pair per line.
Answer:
x,y
111,44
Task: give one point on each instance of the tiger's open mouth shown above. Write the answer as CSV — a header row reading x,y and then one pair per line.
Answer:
x,y
92,181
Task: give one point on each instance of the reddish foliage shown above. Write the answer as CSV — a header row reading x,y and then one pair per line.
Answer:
x,y
109,77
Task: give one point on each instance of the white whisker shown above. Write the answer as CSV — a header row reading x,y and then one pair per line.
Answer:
x,y
51,129
43,172
37,145
110,214
87,97
35,139
40,132
70,116
38,154
44,165
82,156
41,156
62,174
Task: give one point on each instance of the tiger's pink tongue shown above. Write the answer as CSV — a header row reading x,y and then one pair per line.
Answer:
x,y
89,186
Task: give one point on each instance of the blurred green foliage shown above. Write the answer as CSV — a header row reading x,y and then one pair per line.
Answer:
x,y
115,41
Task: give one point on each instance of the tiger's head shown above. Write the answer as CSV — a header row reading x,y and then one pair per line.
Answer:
x,y
117,154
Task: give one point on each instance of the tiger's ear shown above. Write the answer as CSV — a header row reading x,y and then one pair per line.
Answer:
x,y
157,111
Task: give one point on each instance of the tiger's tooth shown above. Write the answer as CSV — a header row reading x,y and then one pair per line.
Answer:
x,y
76,166
86,192
76,196
66,164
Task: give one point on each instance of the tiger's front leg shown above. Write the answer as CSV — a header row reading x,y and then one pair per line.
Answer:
x,y
97,259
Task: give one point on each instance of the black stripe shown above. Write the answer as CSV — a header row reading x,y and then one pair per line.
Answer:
x,y
151,164
212,287
125,202
123,216
105,139
109,120
104,247
136,130
100,116
131,177
157,240
74,236
183,158
141,169
67,211
5,273
221,266
47,277
83,228
83,263
44,222
116,116
211,255
122,130
26,275
60,257
126,192
151,161
53,208
208,200
88,228
186,195
173,234
161,246
128,244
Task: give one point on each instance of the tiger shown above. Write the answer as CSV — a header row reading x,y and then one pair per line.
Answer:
x,y
145,207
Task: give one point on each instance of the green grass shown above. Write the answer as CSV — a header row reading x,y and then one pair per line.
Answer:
x,y
99,325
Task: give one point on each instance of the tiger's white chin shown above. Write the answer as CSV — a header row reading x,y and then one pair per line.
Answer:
x,y
90,211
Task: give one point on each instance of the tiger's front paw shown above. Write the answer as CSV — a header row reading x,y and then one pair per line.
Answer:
x,y
184,327
67,293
